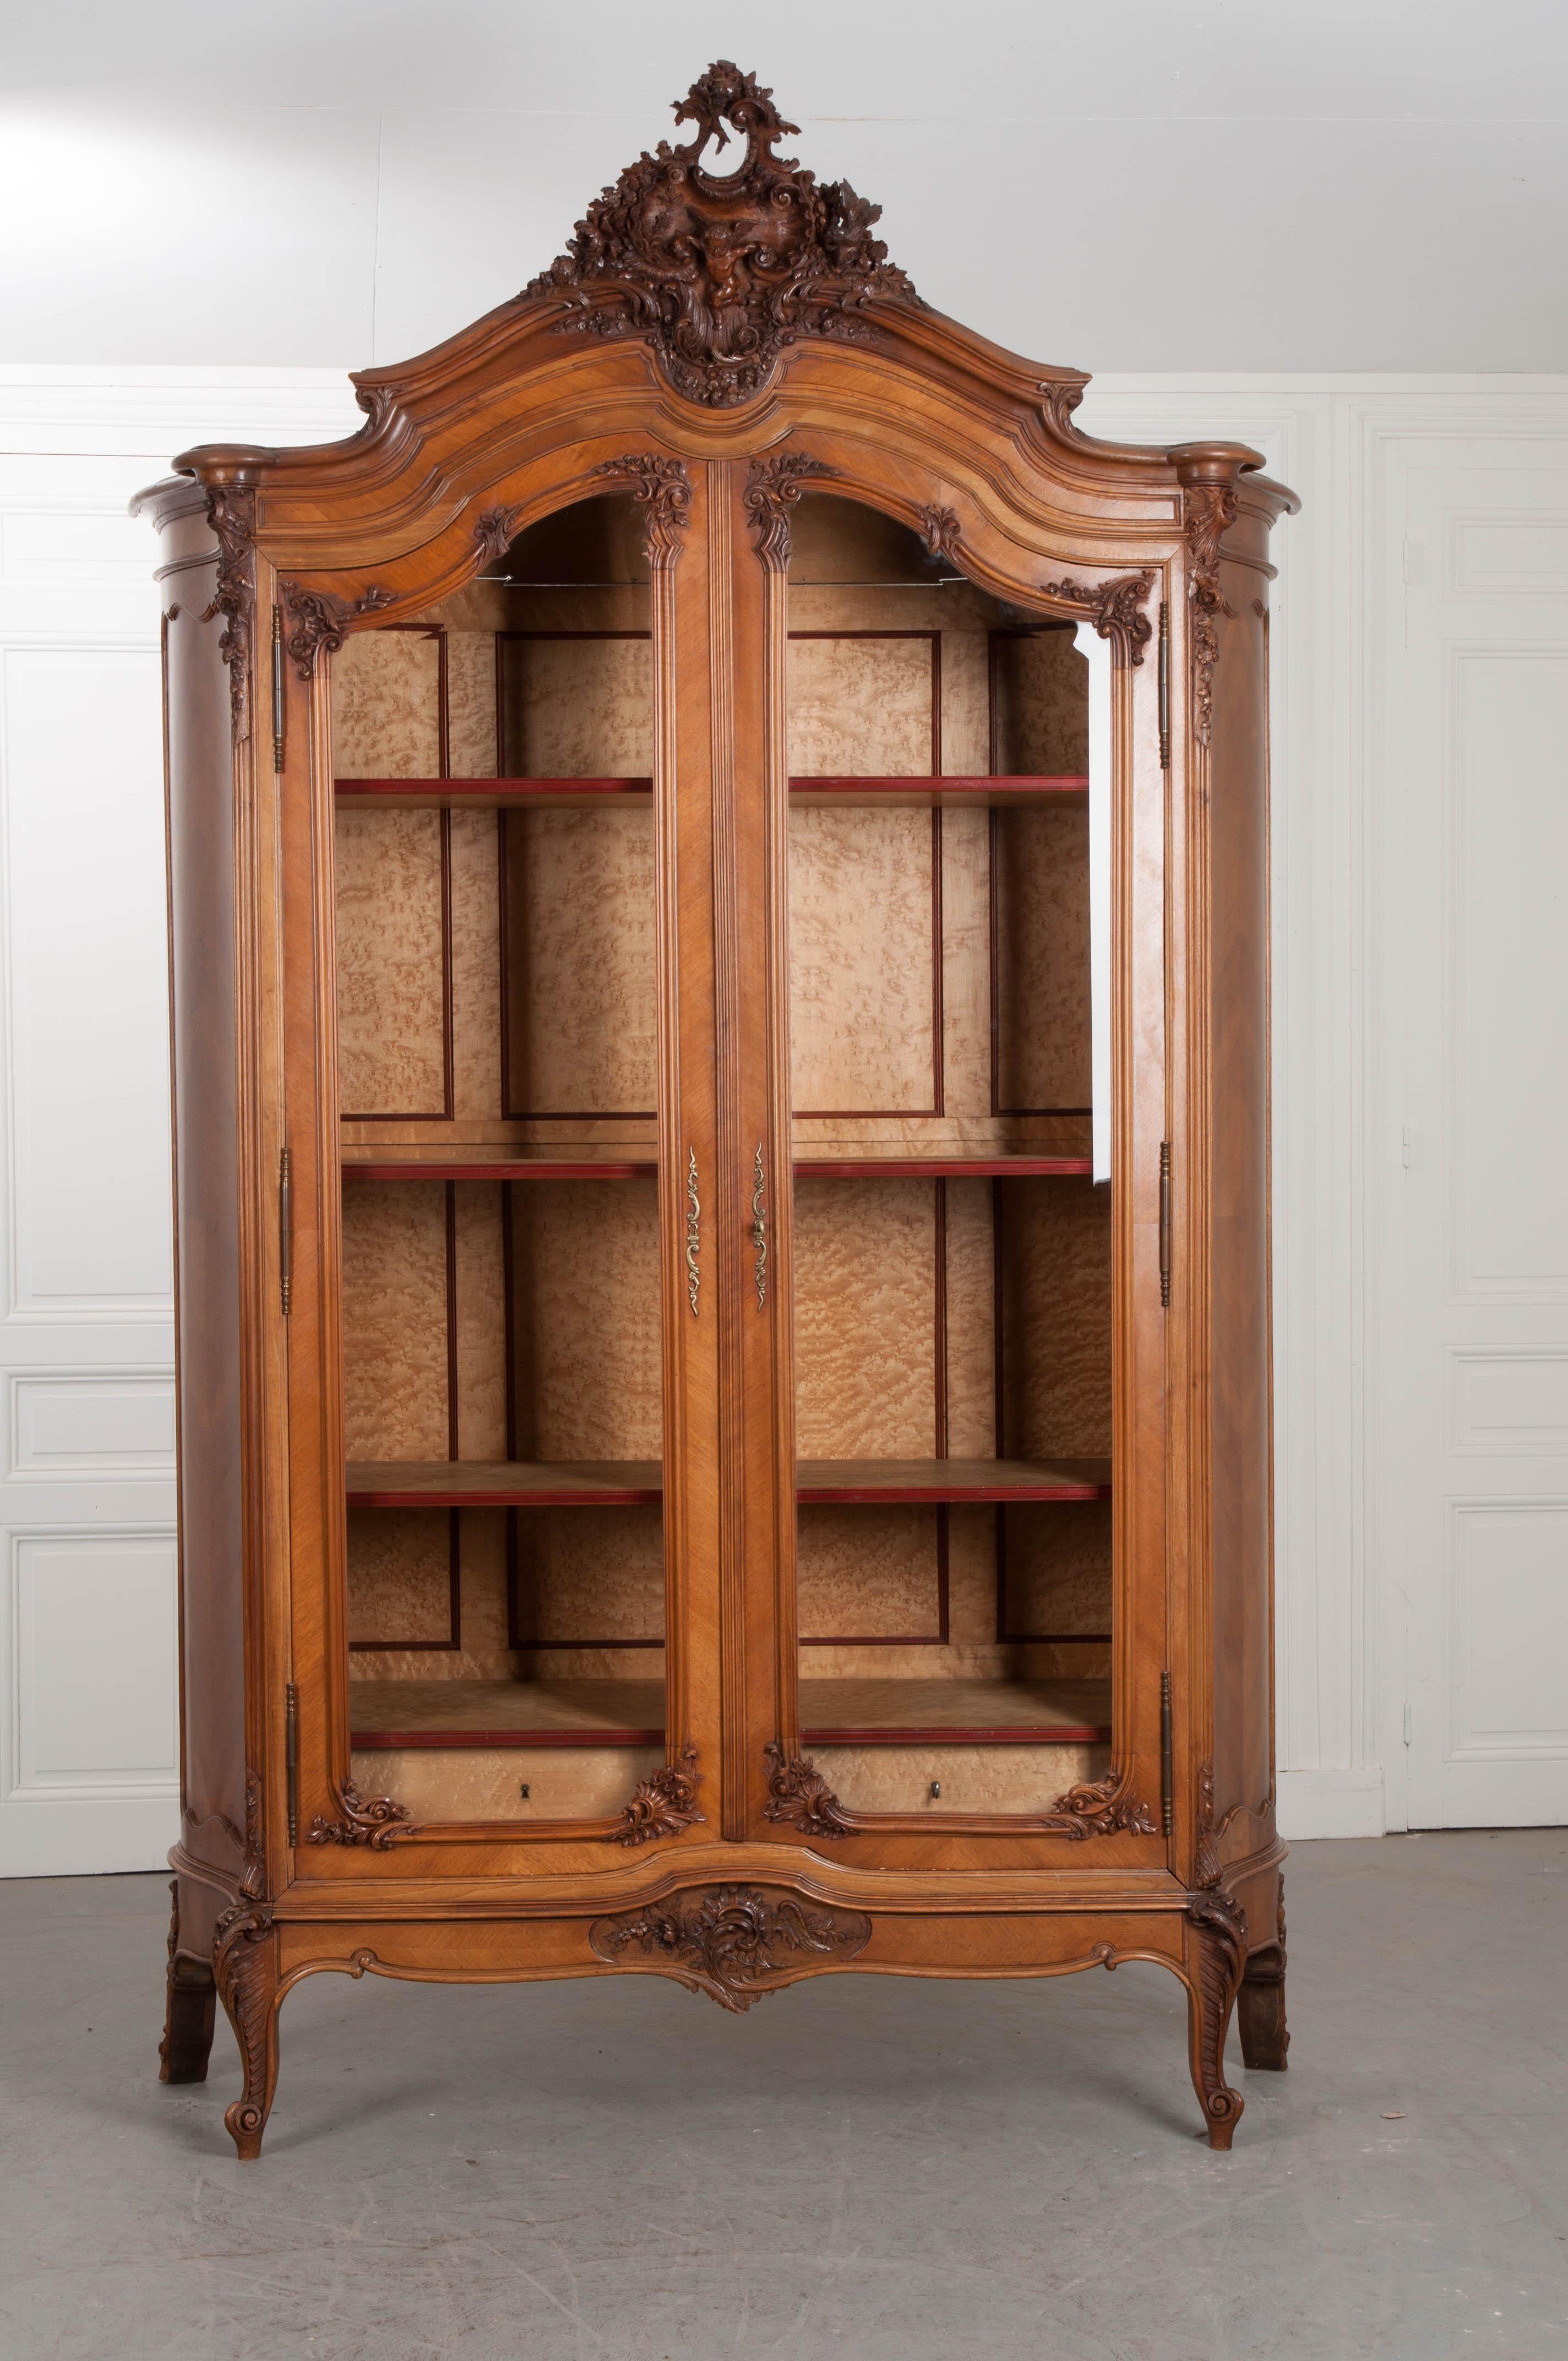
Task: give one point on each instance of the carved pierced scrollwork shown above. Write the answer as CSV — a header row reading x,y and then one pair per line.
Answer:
x,y
1208,511
1115,610
939,532
231,512
733,1942
663,1802
663,489
1221,1924
799,1796
320,619
373,1820
719,275
495,531
773,487
1102,1809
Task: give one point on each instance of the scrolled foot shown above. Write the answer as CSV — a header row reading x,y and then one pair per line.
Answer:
x,y
1217,1954
245,1963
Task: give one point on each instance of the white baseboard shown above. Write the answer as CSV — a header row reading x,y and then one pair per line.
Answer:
x,y
1330,1804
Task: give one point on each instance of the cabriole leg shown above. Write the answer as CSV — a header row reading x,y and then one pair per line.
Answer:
x,y
1216,1952
245,1960
190,2009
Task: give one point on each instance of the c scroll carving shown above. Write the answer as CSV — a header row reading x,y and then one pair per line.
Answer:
x,y
373,1820
799,1796
1103,1808
663,1802
321,620
733,1942
1115,610
773,487
720,275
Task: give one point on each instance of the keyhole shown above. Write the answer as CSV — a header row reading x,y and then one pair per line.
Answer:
x,y
522,1791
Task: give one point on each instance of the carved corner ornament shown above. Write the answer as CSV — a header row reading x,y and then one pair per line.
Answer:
x,y
1101,1808
231,512
733,1942
663,489
939,532
320,619
799,1796
719,275
1115,610
773,487
373,1820
495,531
663,1802
1208,511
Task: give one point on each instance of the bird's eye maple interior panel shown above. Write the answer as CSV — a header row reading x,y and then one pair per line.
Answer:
x,y
718,862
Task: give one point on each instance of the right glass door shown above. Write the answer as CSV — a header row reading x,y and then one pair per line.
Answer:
x,y
952,1244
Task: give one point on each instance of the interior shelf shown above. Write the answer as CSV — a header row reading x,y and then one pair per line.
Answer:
x,y
399,1714
544,795
635,1483
475,1164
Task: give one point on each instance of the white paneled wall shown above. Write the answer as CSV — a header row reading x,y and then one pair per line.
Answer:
x,y
1420,669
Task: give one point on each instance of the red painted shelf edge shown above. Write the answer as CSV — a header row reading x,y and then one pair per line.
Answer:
x,y
976,784
384,1741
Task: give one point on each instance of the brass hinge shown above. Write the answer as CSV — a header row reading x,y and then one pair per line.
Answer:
x,y
1165,1221
1165,1782
1163,686
278,687
291,1757
285,1235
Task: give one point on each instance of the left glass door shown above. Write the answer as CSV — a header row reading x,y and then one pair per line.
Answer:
x,y
498,1078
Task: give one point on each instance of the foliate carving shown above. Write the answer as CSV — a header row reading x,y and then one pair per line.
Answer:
x,y
720,275
1220,1923
663,489
231,512
1206,1856
800,1798
372,1820
663,1802
495,531
1208,511
1098,1809
1115,608
733,1942
939,532
773,487
320,618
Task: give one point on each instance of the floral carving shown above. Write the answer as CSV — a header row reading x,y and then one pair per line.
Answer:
x,y
495,531
1208,511
231,512
1098,1810
663,1802
372,1820
1115,608
773,487
799,1796
720,275
663,489
320,619
733,1942
939,532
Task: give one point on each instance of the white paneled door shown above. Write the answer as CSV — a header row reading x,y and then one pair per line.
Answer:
x,y
1475,1349
89,1761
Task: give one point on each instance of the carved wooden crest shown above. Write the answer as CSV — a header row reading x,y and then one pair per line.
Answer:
x,y
733,1942
720,275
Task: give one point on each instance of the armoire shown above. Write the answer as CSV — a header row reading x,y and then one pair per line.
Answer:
x,y
718,875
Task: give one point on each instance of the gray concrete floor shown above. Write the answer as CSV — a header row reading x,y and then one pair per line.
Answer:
x,y
862,2167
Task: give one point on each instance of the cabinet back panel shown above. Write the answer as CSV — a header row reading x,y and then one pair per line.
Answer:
x,y
1054,1276
396,1377
1040,953
576,706
588,1579
1040,703
401,1565
869,1575
581,1009
585,1260
866,1319
386,705
391,962
865,943
864,707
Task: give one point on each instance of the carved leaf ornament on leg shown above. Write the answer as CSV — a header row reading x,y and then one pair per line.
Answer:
x,y
719,275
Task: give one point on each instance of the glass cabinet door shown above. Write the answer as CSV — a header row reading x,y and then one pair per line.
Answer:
x,y
497,1080
951,1243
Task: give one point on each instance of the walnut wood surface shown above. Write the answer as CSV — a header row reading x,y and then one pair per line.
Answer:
x,y
474,1484
716,387
394,1714
806,789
